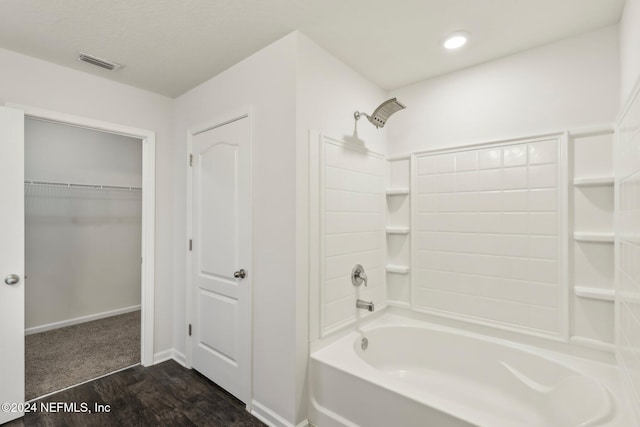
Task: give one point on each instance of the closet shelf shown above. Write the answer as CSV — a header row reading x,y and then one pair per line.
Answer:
x,y
397,191
594,293
399,269
398,230
73,185
591,237
594,181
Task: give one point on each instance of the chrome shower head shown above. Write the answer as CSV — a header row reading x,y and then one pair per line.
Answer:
x,y
382,113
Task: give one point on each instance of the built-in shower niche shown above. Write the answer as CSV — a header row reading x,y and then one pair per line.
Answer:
x,y
398,231
591,254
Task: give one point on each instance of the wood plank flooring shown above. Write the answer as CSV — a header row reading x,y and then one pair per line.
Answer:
x,y
162,395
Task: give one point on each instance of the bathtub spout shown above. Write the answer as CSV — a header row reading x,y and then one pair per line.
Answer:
x,y
366,305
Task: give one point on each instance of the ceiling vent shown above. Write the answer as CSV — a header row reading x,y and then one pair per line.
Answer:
x,y
99,62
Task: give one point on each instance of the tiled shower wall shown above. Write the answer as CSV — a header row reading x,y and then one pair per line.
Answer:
x,y
628,248
352,232
486,227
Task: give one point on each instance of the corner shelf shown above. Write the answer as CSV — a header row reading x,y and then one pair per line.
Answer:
x,y
591,237
398,269
397,191
397,230
594,293
595,181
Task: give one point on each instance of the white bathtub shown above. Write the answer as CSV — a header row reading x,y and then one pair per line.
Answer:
x,y
417,374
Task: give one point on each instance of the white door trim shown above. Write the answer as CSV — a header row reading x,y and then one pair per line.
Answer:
x,y
148,208
220,120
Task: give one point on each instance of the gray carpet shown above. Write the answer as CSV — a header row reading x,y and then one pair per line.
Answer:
x,y
67,356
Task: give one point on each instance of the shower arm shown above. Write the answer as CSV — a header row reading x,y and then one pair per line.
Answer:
x,y
358,114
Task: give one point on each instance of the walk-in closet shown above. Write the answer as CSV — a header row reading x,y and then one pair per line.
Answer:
x,y
83,233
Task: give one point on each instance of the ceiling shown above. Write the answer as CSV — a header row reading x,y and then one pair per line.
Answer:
x,y
170,46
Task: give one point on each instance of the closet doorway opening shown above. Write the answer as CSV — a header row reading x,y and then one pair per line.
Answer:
x,y
89,211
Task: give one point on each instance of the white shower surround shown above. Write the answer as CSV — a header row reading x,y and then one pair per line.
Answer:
x,y
433,375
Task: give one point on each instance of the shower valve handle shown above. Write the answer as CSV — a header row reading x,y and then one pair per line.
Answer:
x,y
358,276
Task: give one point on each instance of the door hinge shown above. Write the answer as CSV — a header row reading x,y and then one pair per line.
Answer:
x,y
189,329
190,244
190,159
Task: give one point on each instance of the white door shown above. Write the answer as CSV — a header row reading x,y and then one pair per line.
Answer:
x,y
221,252
11,262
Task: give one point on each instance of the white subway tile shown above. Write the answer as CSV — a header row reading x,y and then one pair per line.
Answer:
x,y
426,165
445,183
543,271
514,178
338,288
342,179
346,201
515,201
490,158
339,222
345,158
514,223
342,244
543,200
339,311
488,201
489,180
545,247
428,202
466,181
543,176
426,184
543,223
445,163
514,155
466,161
543,152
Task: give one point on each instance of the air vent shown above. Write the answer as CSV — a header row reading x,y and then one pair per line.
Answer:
x,y
99,62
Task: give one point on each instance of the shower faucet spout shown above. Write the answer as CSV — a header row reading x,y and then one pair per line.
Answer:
x,y
367,305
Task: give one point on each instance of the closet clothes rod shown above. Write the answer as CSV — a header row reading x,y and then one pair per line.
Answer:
x,y
90,186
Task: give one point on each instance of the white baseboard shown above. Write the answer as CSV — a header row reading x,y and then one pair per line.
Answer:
x,y
180,358
271,418
162,356
78,320
170,354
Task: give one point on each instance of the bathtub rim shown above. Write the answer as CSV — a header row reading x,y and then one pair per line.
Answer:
x,y
563,347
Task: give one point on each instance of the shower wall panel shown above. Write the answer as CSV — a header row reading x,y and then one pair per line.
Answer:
x,y
487,227
352,224
628,248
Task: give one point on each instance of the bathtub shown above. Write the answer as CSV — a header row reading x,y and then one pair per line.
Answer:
x,y
417,374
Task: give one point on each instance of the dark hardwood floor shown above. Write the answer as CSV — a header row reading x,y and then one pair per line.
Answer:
x,y
162,395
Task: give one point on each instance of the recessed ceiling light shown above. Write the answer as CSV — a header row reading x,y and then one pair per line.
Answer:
x,y
456,40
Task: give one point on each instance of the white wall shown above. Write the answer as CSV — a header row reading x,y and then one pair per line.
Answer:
x,y
38,83
570,83
629,49
82,245
327,94
266,81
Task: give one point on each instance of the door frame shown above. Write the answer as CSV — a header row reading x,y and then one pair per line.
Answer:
x,y
148,208
216,122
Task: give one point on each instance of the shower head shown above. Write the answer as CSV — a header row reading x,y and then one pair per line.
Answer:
x,y
382,113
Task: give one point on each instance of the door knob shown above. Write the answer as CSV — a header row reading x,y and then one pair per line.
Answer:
x,y
12,279
240,274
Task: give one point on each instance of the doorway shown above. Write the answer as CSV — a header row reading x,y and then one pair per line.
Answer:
x,y
83,233
13,329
